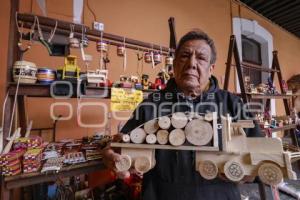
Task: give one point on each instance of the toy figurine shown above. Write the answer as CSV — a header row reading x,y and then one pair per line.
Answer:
x,y
145,81
70,71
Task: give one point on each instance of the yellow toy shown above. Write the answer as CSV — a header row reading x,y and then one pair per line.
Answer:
x,y
70,70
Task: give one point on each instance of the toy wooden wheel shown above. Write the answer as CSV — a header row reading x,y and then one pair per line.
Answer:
x,y
151,139
124,163
270,174
177,137
208,169
142,164
162,136
198,132
138,135
151,126
234,171
179,120
164,122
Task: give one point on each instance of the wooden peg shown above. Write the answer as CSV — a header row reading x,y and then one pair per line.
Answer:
x,y
162,136
198,132
125,138
151,126
164,122
177,137
179,120
138,135
151,139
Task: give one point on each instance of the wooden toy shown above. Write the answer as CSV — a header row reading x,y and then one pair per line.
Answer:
x,y
46,75
70,71
24,72
239,155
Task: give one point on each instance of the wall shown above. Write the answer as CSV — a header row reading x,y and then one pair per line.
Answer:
x,y
145,21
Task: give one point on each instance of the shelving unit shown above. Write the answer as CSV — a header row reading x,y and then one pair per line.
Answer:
x,y
275,69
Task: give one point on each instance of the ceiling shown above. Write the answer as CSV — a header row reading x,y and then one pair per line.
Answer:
x,y
285,13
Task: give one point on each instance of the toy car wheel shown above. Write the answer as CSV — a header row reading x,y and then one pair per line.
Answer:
x,y
270,174
123,164
208,169
142,164
234,170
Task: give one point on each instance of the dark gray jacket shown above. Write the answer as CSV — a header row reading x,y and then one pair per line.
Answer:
x,y
174,176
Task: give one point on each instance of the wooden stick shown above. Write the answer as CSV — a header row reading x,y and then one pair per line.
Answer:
x,y
151,139
151,126
1,140
28,129
138,135
13,137
162,136
177,137
179,120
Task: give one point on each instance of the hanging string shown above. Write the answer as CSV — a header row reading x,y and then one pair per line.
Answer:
x,y
14,105
152,59
125,55
52,33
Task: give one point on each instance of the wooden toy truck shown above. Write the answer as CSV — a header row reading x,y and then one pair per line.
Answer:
x,y
239,155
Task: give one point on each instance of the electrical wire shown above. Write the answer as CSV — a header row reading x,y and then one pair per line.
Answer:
x,y
94,15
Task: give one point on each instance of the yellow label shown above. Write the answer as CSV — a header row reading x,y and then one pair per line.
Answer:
x,y
125,99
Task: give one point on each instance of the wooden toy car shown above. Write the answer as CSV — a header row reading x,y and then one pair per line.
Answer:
x,y
237,157
97,77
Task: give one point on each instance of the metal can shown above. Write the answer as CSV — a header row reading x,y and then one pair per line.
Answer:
x,y
148,57
169,60
157,58
121,50
74,43
102,46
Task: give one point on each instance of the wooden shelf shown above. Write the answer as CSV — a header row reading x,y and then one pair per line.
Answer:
x,y
42,90
286,127
23,180
256,67
269,96
160,146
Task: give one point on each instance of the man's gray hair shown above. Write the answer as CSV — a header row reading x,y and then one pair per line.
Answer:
x,y
197,34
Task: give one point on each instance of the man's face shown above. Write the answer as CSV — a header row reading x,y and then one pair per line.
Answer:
x,y
192,66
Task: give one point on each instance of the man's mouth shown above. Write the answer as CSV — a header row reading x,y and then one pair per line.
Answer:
x,y
191,75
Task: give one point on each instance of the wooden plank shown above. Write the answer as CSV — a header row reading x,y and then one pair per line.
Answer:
x,y
228,63
169,147
24,180
266,96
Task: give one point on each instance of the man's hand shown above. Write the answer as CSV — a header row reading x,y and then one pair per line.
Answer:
x,y
110,158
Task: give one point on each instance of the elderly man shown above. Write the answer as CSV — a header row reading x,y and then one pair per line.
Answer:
x,y
192,89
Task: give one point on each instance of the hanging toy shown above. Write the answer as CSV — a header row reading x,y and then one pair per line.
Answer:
x,y
121,51
84,39
73,42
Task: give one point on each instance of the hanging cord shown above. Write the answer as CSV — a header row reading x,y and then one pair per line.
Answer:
x,y
14,105
52,33
139,58
71,31
101,52
125,55
3,109
88,6
152,59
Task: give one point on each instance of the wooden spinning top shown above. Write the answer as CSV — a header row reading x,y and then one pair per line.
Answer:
x,y
162,136
142,164
198,132
151,126
177,137
125,138
164,122
138,135
179,120
124,163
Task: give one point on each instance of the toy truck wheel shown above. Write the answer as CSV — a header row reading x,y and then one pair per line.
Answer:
x,y
270,174
123,164
208,169
234,171
142,164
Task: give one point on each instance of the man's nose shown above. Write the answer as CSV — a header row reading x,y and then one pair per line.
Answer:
x,y
192,61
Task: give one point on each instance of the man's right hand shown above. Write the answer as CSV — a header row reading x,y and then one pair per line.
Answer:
x,y
110,157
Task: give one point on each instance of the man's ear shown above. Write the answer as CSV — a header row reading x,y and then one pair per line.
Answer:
x,y
212,67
